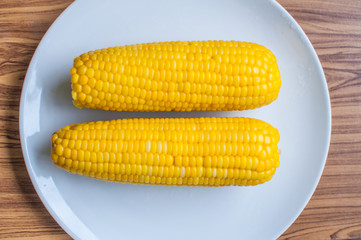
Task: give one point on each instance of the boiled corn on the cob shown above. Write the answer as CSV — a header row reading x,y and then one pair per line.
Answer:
x,y
170,151
176,76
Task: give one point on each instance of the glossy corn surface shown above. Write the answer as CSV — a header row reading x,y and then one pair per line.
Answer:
x,y
176,76
170,151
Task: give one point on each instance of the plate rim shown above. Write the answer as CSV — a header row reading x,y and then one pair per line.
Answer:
x,y
328,113
24,147
274,4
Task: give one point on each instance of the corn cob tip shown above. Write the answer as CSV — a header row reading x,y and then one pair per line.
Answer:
x,y
77,104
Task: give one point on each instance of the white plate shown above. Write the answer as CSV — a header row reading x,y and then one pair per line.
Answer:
x,y
92,209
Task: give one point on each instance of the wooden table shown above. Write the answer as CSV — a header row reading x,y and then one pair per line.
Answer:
x,y
334,28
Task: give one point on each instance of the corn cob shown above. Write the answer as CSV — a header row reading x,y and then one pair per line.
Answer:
x,y
176,76
170,151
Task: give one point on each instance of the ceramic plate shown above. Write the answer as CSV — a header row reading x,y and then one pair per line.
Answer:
x,y
92,209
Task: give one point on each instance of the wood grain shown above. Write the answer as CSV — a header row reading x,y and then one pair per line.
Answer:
x,y
334,28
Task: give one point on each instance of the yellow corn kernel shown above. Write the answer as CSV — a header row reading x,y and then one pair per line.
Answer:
x,y
242,151
147,77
